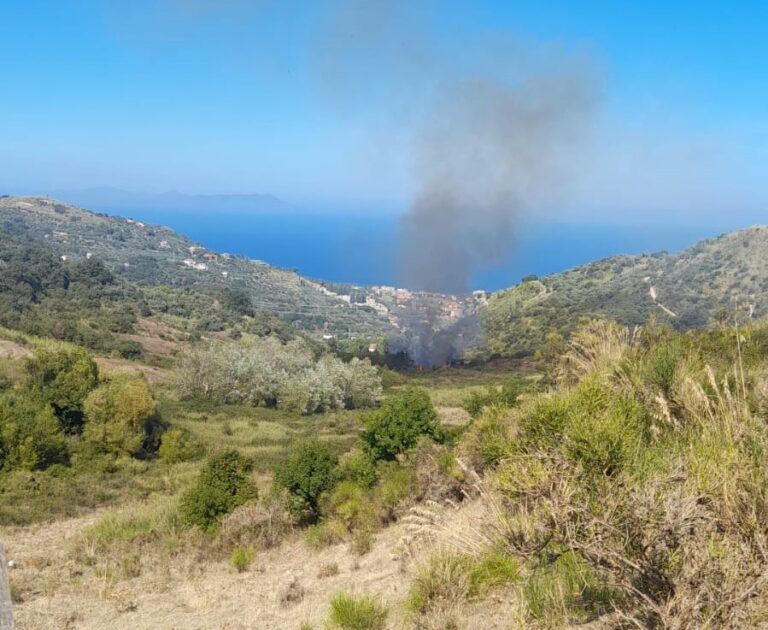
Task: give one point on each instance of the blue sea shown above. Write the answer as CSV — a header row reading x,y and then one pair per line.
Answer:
x,y
361,249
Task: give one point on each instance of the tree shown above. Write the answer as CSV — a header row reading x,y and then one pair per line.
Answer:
x,y
401,421
222,485
307,474
30,436
121,415
62,375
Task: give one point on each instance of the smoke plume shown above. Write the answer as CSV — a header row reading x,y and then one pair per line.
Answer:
x,y
495,127
490,153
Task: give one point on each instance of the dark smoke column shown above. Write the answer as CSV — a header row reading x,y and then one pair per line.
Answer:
x,y
491,152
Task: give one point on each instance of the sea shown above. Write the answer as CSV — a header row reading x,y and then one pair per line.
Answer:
x,y
362,249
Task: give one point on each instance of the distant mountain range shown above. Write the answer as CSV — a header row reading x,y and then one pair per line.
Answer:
x,y
107,199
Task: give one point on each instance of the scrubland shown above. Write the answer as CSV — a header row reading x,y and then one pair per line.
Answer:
x,y
621,483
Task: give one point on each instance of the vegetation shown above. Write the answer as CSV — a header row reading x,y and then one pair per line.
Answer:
x,y
357,613
635,487
712,282
122,417
618,478
263,371
398,425
306,475
223,485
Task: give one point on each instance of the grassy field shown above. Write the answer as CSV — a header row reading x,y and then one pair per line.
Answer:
x,y
264,434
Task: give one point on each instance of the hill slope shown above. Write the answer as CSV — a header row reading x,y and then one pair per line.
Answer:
x,y
688,290
153,255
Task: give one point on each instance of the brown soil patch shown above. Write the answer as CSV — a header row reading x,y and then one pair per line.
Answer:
x,y
11,350
153,374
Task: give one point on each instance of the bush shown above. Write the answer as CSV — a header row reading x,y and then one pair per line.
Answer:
x,y
440,584
222,485
63,376
326,533
30,435
357,613
241,558
561,587
357,467
121,416
398,425
505,396
397,486
350,504
177,446
306,475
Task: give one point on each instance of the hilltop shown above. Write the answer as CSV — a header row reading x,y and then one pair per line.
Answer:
x,y
711,281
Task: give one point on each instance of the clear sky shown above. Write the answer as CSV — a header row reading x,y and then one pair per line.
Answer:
x,y
267,96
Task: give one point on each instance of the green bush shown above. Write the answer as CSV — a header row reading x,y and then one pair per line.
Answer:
x,y
398,425
603,432
121,416
326,533
349,504
222,485
30,436
357,467
397,486
558,589
177,446
63,376
241,558
307,473
442,582
357,613
505,396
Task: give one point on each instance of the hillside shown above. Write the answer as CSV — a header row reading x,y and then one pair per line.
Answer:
x,y
155,256
710,281
688,290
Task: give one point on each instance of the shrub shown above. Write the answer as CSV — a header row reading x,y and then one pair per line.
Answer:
x,y
362,541
326,533
561,588
505,396
441,583
397,486
491,571
603,431
350,504
121,416
306,475
63,376
489,439
241,558
357,613
401,421
328,570
357,467
222,485
30,435
177,446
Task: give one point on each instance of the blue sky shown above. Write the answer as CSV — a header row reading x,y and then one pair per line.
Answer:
x,y
233,96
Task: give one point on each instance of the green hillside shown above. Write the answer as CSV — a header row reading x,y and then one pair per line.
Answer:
x,y
151,255
712,280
